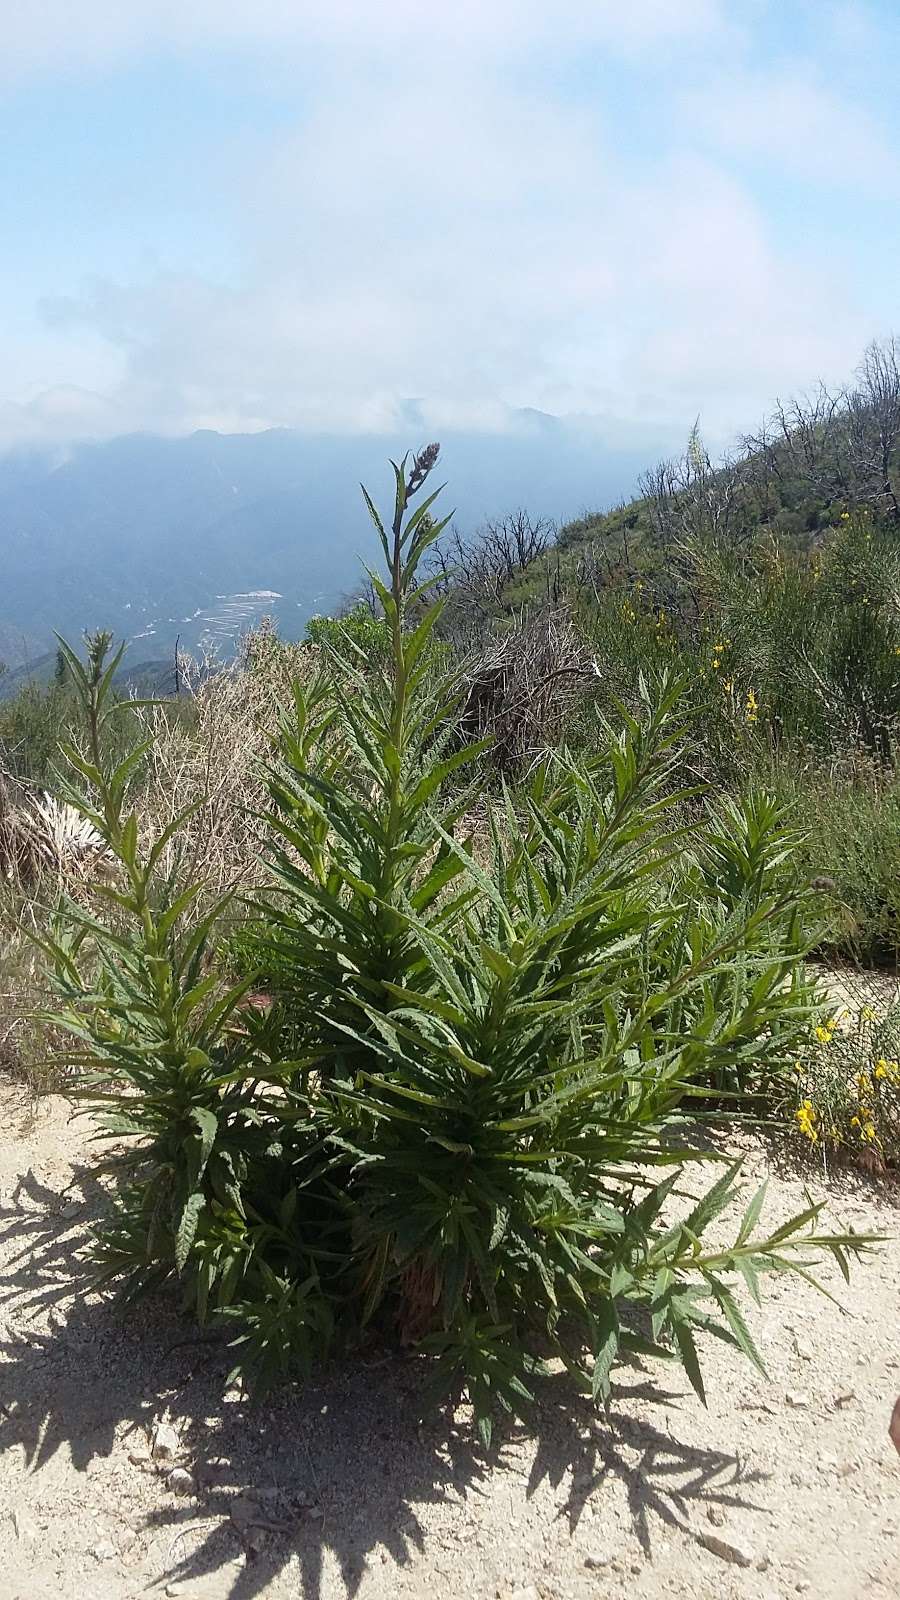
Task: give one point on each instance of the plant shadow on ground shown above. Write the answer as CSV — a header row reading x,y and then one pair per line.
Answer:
x,y
339,1471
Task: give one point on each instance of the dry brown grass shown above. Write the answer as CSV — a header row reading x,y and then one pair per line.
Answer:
x,y
213,755
30,1052
208,751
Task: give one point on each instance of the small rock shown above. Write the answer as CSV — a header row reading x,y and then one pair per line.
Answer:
x,y
104,1550
71,1209
803,1350
243,1510
180,1481
528,1593
716,1516
726,1550
25,1528
212,1470
846,1398
797,1398
165,1442
597,1559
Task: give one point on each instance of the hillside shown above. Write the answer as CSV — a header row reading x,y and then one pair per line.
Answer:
x,y
812,461
200,536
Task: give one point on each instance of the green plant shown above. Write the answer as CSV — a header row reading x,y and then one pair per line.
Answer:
x,y
853,844
846,1087
358,633
156,1031
481,1047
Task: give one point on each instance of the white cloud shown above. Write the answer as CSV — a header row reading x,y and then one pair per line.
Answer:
x,y
796,124
456,230
516,264
55,35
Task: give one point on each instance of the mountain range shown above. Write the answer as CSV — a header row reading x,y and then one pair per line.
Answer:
x,y
196,537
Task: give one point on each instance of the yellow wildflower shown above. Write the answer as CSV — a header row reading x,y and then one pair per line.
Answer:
x,y
825,1030
806,1119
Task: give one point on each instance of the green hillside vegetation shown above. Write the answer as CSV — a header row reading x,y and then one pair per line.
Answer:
x,y
772,583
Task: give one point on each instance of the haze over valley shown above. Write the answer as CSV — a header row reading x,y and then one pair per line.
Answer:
x,y
196,538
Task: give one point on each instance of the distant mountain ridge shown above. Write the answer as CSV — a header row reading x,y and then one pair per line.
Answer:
x,y
196,536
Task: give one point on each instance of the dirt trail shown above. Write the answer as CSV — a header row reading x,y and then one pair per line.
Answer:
x,y
335,1492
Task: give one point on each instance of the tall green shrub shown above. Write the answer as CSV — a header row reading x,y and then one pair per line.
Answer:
x,y
483,1045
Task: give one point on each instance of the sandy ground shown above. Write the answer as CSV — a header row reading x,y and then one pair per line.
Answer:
x,y
337,1492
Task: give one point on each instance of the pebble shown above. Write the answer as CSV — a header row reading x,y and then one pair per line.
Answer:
x,y
25,1528
104,1550
165,1442
727,1550
180,1481
528,1593
597,1559
797,1398
242,1510
716,1516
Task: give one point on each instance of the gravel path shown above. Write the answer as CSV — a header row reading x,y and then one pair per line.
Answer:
x,y
777,1490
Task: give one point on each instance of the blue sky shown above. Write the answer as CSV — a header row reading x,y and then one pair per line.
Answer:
x,y
246,213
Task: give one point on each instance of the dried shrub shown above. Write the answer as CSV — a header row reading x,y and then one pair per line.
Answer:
x,y
524,688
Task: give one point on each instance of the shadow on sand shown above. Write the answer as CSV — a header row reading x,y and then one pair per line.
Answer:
x,y
342,1466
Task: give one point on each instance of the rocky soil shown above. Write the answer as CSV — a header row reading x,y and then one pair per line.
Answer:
x,y
124,1474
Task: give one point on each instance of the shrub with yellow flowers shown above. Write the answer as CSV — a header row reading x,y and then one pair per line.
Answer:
x,y
846,1094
